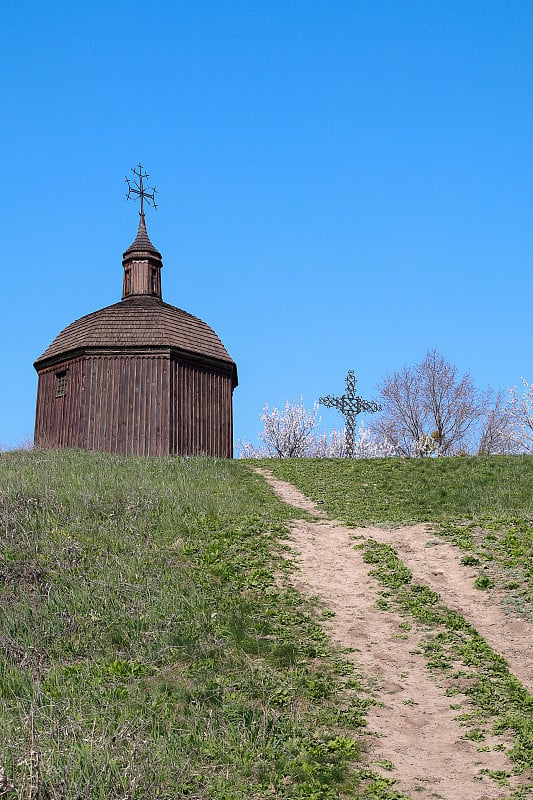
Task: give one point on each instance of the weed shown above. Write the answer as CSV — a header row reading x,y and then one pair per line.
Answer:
x,y
483,582
470,560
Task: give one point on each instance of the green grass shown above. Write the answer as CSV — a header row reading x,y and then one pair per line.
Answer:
x,y
502,548
397,490
151,645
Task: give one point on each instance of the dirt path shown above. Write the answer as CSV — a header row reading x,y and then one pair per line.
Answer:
x,y
436,564
416,727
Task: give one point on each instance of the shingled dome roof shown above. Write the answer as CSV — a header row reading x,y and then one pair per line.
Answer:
x,y
139,321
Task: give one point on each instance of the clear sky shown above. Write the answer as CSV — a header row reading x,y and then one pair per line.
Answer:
x,y
341,184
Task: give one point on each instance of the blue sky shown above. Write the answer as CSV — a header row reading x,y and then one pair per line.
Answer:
x,y
341,185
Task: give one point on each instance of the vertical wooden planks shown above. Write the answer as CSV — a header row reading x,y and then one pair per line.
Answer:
x,y
200,414
139,405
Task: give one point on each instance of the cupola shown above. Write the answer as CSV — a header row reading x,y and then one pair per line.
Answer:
x,y
142,266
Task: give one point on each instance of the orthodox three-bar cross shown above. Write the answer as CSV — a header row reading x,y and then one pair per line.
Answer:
x,y
350,406
137,187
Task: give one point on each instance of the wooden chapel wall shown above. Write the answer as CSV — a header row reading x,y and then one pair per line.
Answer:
x,y
116,404
201,410
136,405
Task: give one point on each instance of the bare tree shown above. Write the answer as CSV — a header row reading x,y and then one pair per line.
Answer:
x,y
401,422
429,408
497,434
451,402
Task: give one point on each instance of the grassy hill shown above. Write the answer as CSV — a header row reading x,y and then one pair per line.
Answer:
x,y
151,645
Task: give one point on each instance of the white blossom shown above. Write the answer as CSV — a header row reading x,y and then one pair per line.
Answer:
x,y
288,433
369,444
521,415
292,432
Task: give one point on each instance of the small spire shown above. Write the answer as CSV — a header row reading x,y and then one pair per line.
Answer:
x,y
142,240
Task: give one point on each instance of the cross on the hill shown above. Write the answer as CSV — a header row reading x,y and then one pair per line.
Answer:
x,y
350,406
139,189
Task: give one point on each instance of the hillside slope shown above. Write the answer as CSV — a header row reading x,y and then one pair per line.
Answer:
x,y
151,644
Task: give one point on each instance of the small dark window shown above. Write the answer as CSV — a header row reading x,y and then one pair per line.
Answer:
x,y
154,282
127,285
61,383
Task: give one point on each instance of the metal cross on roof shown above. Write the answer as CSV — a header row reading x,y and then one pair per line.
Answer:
x,y
137,187
350,406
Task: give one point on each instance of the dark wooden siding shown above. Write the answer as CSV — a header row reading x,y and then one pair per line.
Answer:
x,y
112,403
136,405
202,411
60,421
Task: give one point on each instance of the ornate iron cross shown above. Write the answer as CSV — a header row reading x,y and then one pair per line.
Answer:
x,y
350,406
138,188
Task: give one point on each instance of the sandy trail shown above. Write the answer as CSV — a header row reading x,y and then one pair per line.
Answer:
x,y
416,727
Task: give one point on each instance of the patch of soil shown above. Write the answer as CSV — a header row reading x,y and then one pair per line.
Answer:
x,y
415,728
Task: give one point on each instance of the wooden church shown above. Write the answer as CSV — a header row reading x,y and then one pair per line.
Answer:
x,y
140,377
